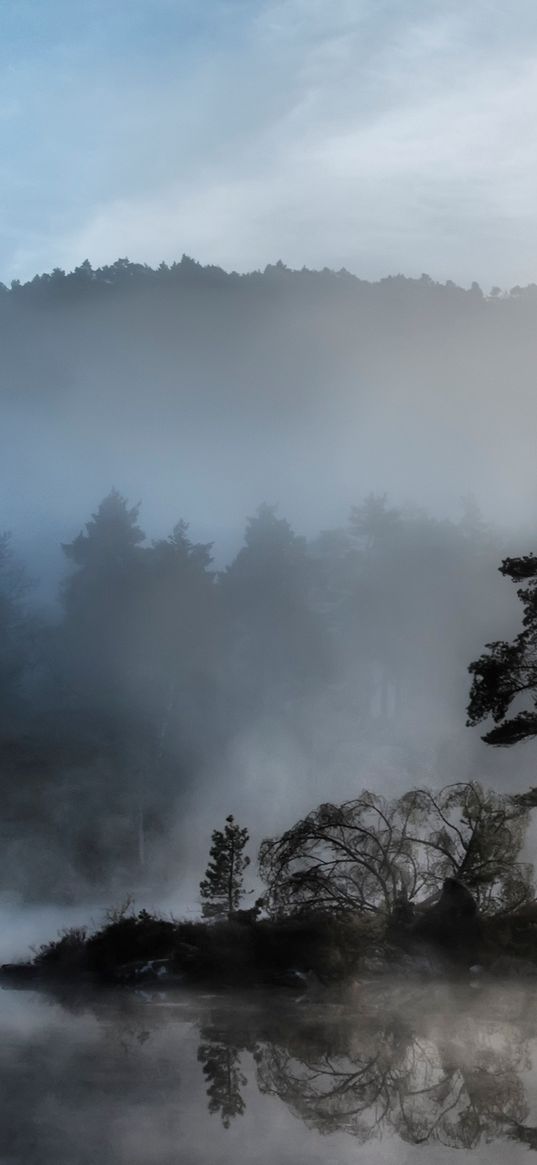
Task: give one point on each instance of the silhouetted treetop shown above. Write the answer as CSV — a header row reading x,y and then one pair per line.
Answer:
x,y
270,546
506,674
112,532
123,272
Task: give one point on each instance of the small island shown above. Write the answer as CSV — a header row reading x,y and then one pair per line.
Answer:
x,y
429,884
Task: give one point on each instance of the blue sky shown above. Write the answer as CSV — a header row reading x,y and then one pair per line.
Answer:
x,y
378,135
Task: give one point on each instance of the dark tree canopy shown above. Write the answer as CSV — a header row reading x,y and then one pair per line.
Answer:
x,y
17,626
157,670
505,676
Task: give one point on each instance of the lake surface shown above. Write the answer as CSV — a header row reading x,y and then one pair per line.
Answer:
x,y
396,1072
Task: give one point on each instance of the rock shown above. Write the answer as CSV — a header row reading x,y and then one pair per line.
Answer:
x,y
145,971
293,977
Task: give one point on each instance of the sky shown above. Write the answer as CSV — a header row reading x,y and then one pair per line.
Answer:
x,y
384,136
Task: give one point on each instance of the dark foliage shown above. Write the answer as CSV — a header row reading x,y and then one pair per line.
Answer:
x,y
222,887
156,664
226,952
507,672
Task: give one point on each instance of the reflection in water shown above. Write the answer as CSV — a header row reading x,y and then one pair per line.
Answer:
x,y
128,1079
454,1079
387,1077
222,1071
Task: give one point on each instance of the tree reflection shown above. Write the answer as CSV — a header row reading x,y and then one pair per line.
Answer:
x,y
455,1087
425,1075
224,1077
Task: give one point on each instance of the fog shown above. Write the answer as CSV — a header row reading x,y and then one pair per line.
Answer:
x,y
372,1077
353,461
268,582
209,393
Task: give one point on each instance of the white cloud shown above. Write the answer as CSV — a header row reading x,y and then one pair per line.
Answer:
x,y
379,136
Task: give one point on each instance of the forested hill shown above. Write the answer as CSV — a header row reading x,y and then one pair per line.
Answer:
x,y
189,274
386,383
277,335
176,677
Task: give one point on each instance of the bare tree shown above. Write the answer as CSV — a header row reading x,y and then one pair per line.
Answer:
x,y
456,1084
371,854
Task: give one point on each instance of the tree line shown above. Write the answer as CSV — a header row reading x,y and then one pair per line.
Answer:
x,y
116,706
123,272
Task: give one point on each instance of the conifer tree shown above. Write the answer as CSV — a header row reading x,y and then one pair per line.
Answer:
x,y
505,676
222,887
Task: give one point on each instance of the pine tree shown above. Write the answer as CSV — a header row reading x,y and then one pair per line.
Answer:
x,y
222,887
508,671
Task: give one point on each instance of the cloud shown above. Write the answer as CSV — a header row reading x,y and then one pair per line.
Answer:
x,y
380,136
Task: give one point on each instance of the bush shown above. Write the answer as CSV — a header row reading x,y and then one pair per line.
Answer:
x,y
68,950
128,939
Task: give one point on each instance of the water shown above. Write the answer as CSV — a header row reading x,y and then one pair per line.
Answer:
x,y
392,1073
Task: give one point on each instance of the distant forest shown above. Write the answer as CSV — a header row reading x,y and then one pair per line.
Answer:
x,y
279,338
122,709
263,383
189,272
172,681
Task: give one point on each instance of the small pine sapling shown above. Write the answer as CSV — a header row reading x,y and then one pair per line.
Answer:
x,y
222,887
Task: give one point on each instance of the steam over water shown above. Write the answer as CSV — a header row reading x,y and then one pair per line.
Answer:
x,y
268,582
392,1073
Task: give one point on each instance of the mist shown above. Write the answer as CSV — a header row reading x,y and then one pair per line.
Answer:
x,y
268,582
203,391
139,1075
353,460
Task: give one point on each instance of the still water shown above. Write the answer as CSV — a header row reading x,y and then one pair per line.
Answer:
x,y
391,1073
